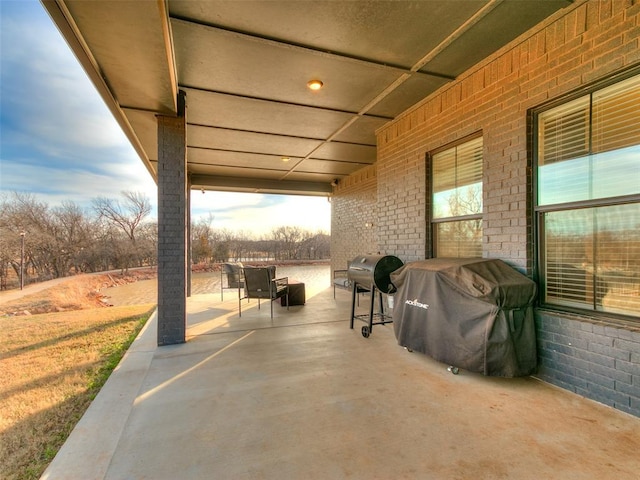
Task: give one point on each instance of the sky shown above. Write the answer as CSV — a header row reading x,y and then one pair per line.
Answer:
x,y
59,141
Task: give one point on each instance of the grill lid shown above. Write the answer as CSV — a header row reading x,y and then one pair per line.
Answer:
x,y
374,270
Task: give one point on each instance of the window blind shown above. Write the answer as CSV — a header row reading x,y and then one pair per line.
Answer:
x,y
459,239
457,200
457,180
616,116
457,167
589,149
592,257
563,132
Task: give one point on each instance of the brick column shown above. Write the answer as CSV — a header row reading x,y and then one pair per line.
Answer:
x,y
172,226
189,259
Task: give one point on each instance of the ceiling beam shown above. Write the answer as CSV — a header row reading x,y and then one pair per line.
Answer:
x,y
479,15
257,185
310,50
183,86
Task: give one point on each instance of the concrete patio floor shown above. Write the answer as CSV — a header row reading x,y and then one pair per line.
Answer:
x,y
304,397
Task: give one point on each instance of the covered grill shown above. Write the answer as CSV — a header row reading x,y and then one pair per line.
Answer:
x,y
371,273
475,314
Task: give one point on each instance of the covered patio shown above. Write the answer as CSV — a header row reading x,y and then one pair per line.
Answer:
x,y
303,396
220,101
269,97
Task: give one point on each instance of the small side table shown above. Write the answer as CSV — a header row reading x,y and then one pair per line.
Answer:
x,y
297,295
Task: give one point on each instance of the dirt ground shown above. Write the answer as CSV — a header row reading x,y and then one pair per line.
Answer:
x,y
79,292
87,291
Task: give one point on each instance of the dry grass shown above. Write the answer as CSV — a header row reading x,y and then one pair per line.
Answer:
x,y
53,365
72,293
75,293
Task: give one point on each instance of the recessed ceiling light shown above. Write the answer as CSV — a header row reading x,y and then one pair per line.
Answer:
x,y
285,159
314,84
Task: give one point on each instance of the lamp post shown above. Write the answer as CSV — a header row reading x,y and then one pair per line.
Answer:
x,y
22,260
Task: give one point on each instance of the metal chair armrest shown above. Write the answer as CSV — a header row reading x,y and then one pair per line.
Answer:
x,y
281,281
339,273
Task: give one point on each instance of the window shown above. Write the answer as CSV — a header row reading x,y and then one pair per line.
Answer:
x,y
588,200
457,200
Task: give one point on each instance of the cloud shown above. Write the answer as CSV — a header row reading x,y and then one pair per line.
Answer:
x,y
260,213
79,186
45,93
60,142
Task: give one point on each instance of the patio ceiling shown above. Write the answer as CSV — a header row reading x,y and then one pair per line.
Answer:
x,y
252,123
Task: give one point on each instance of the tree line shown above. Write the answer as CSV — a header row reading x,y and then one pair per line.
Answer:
x,y
47,242
281,244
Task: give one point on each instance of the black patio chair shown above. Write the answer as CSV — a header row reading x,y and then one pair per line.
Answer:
x,y
235,279
259,282
341,280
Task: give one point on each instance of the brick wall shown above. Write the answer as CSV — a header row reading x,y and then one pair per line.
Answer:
x,y
583,43
353,218
401,200
597,361
579,45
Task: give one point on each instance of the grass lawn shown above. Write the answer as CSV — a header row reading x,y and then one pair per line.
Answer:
x,y
52,366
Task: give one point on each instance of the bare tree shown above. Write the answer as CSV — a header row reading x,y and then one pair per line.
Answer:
x,y
127,215
65,239
147,243
222,240
21,212
289,239
314,246
239,245
73,233
202,244
466,201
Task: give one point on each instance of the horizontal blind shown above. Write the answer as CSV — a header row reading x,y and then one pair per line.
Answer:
x,y
469,163
616,140
592,257
459,239
590,148
563,132
567,247
616,116
444,170
617,258
458,166
457,192
457,180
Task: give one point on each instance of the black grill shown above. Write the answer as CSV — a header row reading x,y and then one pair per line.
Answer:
x,y
371,273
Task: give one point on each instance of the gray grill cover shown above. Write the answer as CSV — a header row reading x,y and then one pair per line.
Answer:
x,y
475,314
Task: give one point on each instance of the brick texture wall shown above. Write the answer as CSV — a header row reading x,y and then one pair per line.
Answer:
x,y
585,42
597,361
354,218
172,229
579,45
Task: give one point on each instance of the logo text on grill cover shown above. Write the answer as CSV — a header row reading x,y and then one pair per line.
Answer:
x,y
416,303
